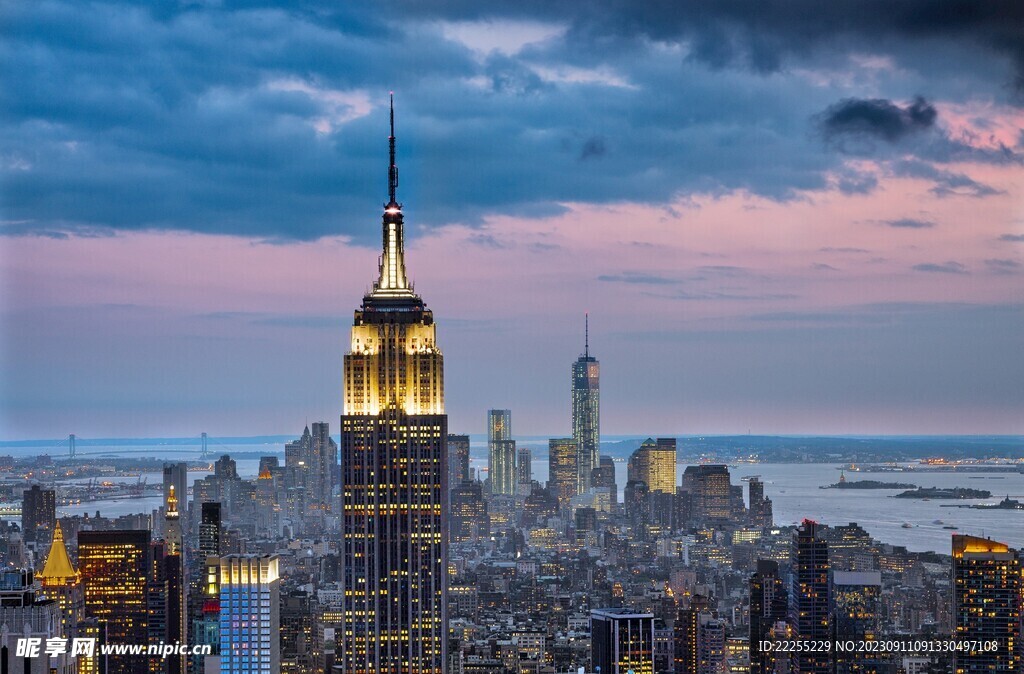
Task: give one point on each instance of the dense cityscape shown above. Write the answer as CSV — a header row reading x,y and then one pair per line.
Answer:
x,y
388,552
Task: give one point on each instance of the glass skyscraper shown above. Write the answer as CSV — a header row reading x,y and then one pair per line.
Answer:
x,y
501,452
586,413
394,472
250,641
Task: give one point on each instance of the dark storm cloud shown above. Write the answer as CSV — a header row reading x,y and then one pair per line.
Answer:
x,y
763,34
1012,237
265,120
878,118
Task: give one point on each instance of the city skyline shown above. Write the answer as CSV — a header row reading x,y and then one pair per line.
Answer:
x,y
817,238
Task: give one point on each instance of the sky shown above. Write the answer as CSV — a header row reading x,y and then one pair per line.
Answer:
x,y
782,216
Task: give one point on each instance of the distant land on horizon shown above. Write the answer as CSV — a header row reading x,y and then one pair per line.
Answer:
x,y
784,448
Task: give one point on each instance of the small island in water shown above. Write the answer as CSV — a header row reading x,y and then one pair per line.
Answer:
x,y
869,484
940,493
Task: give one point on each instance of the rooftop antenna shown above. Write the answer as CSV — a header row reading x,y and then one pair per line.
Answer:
x,y
392,169
586,334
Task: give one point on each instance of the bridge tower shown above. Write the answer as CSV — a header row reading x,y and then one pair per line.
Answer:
x,y
71,446
204,454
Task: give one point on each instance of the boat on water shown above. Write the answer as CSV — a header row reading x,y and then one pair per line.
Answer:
x,y
938,522
907,525
949,526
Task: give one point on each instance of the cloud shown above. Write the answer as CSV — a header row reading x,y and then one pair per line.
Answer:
x,y
950,267
269,121
1012,237
593,148
1003,266
638,279
946,183
910,223
876,118
843,249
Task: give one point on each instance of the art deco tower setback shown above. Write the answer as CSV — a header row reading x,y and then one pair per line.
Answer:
x,y
393,452
586,412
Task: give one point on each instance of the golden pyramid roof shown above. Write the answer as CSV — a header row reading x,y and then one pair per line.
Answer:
x,y
58,565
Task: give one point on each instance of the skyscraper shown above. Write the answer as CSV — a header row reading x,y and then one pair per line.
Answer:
x,y
501,452
62,583
856,598
38,514
586,412
604,478
458,459
524,471
768,606
809,597
393,442
176,475
324,459
469,520
710,489
563,476
622,640
654,462
209,530
115,568
986,604
250,615
174,572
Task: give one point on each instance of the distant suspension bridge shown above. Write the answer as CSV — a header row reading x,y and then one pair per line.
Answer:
x,y
203,450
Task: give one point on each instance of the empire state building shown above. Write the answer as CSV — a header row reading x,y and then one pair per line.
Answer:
x,y
393,452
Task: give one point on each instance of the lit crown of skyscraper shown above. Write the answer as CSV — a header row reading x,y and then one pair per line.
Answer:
x,y
392,281
58,567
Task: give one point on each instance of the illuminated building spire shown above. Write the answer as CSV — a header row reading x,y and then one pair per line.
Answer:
x,y
392,280
172,502
586,335
58,568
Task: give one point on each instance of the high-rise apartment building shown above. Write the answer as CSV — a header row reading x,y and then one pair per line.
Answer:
x,y
250,610
586,412
809,601
115,568
501,453
563,474
986,604
394,436
621,641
